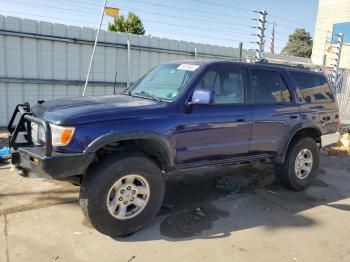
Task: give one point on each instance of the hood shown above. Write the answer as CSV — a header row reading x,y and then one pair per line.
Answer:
x,y
79,110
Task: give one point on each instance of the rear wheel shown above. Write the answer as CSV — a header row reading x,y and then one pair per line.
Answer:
x,y
301,164
121,195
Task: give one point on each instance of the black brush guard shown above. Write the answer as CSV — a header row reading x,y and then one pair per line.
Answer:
x,y
24,125
48,163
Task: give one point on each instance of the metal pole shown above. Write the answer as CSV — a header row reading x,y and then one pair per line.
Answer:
x,y
336,64
115,82
94,49
195,53
324,59
240,51
129,65
261,34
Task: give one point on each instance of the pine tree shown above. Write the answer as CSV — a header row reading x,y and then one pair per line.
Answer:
x,y
299,44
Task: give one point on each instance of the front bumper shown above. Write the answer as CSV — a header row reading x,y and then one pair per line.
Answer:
x,y
41,160
33,160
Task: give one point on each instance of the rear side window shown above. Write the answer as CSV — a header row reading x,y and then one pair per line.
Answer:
x,y
313,87
268,87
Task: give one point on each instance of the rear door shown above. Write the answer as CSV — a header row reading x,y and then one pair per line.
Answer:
x,y
274,112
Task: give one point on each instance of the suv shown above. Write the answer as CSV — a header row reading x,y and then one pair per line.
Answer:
x,y
179,115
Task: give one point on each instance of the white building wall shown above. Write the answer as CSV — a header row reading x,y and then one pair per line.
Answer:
x,y
330,12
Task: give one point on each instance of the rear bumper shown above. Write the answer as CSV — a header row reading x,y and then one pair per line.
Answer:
x,y
330,139
57,166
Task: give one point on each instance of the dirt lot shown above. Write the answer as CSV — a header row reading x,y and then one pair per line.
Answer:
x,y
216,214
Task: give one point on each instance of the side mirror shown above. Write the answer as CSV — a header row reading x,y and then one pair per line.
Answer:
x,y
202,97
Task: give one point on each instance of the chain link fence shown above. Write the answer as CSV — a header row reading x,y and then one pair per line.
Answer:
x,y
342,91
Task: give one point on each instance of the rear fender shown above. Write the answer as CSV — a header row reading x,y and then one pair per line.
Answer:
x,y
289,137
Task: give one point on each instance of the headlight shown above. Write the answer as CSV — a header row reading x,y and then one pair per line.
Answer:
x,y
61,135
38,134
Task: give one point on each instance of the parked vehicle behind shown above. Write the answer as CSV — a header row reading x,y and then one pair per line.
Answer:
x,y
179,115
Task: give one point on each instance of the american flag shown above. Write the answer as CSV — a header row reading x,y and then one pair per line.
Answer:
x,y
272,40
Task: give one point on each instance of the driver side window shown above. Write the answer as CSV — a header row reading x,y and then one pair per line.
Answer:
x,y
227,84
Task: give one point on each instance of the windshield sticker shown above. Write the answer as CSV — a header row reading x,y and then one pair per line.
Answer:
x,y
188,67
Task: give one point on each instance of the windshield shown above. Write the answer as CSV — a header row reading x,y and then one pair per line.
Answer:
x,y
164,81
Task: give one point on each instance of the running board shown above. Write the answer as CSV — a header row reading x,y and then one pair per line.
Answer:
x,y
225,162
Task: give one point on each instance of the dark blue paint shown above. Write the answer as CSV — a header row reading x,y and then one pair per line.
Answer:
x,y
196,133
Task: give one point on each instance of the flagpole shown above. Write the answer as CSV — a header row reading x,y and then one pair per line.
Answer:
x,y
272,40
94,49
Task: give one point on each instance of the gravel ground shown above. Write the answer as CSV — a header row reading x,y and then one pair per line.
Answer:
x,y
211,214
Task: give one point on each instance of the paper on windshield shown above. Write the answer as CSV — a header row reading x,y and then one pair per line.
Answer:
x,y
188,67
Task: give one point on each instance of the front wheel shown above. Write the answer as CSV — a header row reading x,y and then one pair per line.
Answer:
x,y
121,195
301,164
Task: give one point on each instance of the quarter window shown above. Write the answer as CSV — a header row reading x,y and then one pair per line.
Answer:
x,y
313,87
227,84
268,87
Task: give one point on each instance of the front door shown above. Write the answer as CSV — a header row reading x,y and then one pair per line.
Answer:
x,y
219,132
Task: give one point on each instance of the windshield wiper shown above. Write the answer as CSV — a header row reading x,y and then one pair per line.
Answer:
x,y
143,93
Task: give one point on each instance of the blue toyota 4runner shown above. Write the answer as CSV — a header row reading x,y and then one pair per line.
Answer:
x,y
179,115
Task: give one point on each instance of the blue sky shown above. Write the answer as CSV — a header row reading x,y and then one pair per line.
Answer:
x,y
215,22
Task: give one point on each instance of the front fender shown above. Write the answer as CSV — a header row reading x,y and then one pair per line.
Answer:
x,y
116,137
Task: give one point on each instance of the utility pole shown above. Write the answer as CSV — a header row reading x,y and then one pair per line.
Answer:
x,y
338,47
94,49
261,34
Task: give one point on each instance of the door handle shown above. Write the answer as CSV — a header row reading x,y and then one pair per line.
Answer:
x,y
240,120
293,116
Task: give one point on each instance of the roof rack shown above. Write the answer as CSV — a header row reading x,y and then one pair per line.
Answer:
x,y
291,65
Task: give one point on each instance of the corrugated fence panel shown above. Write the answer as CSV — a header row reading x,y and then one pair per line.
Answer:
x,y
3,104
44,61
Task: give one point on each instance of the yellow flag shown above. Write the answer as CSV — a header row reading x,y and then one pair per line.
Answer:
x,y
112,11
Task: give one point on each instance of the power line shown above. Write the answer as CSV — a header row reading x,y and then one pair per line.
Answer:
x,y
48,17
47,6
142,11
94,13
229,31
223,5
288,20
216,22
282,26
171,7
196,27
162,30
186,9
157,22
248,10
214,4
152,21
